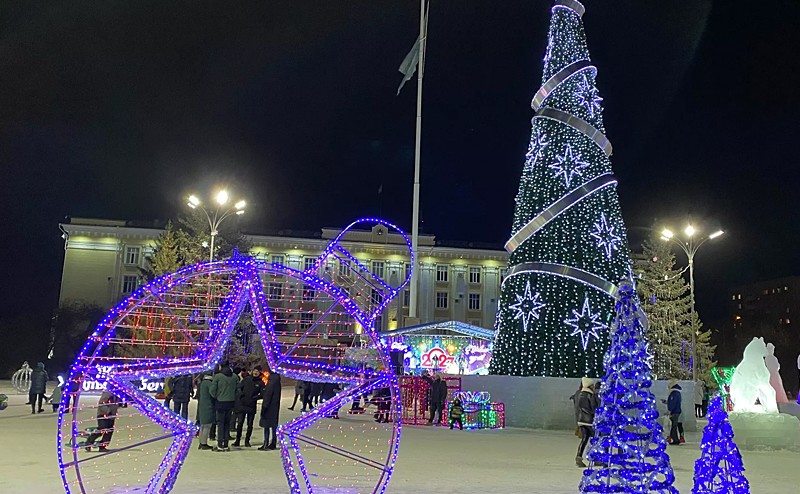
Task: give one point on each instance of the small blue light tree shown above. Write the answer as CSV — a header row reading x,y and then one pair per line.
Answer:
x,y
628,453
719,470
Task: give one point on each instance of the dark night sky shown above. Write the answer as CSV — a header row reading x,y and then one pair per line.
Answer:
x,y
118,109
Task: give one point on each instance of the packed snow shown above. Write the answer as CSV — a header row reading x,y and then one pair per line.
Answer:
x,y
431,459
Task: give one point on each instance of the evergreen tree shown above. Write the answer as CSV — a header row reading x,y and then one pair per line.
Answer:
x,y
568,243
173,250
228,238
719,470
666,302
628,452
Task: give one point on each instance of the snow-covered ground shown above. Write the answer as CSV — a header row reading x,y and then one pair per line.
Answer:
x,y
431,459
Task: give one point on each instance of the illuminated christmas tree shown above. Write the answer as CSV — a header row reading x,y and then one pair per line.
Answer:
x,y
568,245
719,470
628,453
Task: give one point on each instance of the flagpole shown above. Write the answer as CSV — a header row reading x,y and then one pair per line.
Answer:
x,y
412,305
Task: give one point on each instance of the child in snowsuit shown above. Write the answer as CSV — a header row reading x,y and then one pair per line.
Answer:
x,y
456,411
55,398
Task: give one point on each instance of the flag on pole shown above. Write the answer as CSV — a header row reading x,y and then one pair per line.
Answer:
x,y
409,64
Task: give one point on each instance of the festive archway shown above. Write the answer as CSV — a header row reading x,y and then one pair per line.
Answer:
x,y
181,323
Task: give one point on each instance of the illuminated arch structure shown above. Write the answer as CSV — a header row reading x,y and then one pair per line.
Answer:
x,y
181,323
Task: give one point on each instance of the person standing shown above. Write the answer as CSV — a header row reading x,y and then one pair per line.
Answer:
x,y
270,410
586,406
699,395
299,392
438,397
55,398
205,409
456,412
247,400
674,408
181,393
106,417
38,387
307,396
223,390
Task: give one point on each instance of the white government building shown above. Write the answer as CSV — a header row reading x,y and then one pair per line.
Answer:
x,y
102,258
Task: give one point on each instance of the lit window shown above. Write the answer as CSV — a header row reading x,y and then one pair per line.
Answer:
x,y
376,297
406,298
129,283
377,268
132,255
275,290
739,296
441,300
733,297
306,320
442,271
474,301
277,259
308,292
309,263
344,269
786,289
474,274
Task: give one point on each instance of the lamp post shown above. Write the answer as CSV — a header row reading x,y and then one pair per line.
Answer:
x,y
690,246
217,215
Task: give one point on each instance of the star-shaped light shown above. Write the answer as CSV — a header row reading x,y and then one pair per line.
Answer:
x,y
588,97
585,324
527,306
605,236
538,143
569,165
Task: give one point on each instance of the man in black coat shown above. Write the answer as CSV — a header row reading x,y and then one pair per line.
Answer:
x,y
438,397
270,408
248,393
38,387
181,392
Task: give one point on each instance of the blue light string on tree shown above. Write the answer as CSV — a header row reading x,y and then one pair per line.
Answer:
x,y
719,470
628,453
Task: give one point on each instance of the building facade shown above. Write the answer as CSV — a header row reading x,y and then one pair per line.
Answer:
x,y
775,303
102,260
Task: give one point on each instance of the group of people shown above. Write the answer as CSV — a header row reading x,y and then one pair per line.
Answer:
x,y
586,402
437,397
227,400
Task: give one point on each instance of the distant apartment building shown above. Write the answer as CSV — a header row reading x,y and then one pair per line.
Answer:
x,y
459,282
774,302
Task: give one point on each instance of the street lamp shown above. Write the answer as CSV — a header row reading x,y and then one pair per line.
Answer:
x,y
218,214
690,247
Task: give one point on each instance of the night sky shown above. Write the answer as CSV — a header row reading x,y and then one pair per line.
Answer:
x,y
119,109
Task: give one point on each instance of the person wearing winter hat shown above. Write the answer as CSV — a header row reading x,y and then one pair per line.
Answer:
x,y
674,408
587,404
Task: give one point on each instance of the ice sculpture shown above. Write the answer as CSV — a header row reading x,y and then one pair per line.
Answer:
x,y
751,381
774,376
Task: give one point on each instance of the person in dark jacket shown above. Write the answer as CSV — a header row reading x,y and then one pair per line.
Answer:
x,y
106,417
426,394
246,403
223,390
586,406
456,413
307,396
674,409
205,409
270,410
316,392
181,393
329,391
299,392
383,400
38,387
438,397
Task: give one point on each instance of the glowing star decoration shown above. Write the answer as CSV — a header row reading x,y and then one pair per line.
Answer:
x,y
588,97
585,323
150,336
535,148
605,236
569,165
527,306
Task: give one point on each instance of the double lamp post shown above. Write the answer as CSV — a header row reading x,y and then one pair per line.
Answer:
x,y
217,214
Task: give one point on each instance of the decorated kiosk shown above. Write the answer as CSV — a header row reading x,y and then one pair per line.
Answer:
x,y
181,324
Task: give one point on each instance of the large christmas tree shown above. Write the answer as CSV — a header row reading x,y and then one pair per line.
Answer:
x,y
568,243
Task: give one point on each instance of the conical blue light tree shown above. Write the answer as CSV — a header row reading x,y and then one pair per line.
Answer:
x,y
719,470
628,453
568,242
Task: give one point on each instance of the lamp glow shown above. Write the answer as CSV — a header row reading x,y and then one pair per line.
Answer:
x,y
193,201
666,234
689,230
240,205
715,234
240,212
222,197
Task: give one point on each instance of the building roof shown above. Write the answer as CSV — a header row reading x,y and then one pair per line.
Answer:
x,y
441,327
